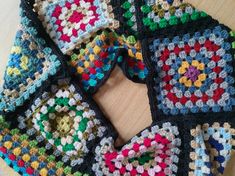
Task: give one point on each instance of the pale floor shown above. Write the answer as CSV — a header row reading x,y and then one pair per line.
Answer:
x,y
124,103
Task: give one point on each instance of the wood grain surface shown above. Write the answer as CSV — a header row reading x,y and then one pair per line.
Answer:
x,y
124,103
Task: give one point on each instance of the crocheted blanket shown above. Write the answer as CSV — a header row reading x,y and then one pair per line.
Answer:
x,y
64,52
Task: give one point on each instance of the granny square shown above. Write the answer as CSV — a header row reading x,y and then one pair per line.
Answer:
x,y
155,151
159,14
194,71
63,120
211,148
29,65
70,22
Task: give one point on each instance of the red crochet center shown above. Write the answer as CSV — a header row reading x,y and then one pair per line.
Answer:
x,y
171,96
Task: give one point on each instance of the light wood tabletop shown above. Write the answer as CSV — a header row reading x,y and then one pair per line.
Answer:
x,y
125,103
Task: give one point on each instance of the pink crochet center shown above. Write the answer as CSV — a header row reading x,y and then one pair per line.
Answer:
x,y
162,153
75,17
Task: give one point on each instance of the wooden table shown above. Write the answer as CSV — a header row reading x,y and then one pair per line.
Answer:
x,y
124,102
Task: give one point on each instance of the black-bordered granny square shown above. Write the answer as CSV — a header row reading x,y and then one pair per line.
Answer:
x,y
192,69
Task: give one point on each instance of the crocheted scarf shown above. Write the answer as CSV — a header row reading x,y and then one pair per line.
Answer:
x,y
64,52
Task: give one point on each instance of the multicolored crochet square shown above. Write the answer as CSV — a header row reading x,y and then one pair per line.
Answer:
x,y
26,156
194,72
70,22
93,63
64,121
211,148
29,65
159,14
155,151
